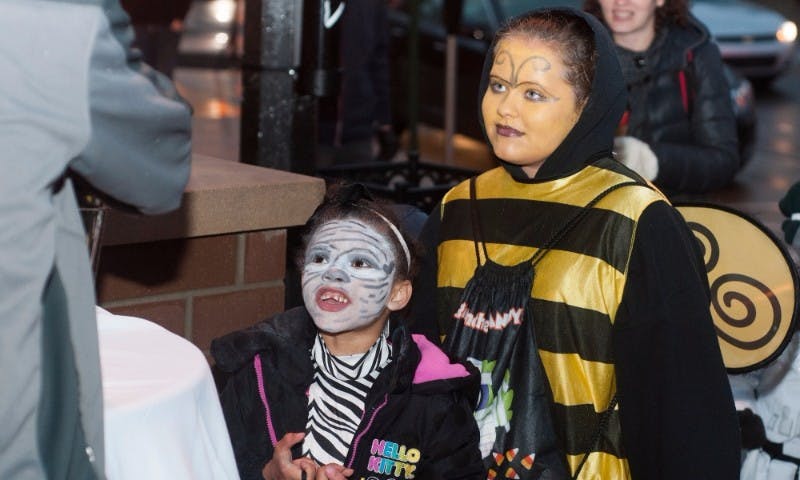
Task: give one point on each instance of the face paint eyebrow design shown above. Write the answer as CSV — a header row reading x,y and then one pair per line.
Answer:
x,y
354,231
319,248
538,63
350,226
356,246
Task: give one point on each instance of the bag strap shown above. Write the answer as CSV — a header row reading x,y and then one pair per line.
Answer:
x,y
575,220
602,426
477,231
550,243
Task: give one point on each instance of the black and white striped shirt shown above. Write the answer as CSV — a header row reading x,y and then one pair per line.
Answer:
x,y
336,398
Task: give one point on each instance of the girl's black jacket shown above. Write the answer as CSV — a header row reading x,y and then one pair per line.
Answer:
x,y
417,421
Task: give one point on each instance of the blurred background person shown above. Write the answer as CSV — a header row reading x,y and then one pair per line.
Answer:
x,y
680,129
158,25
350,123
74,101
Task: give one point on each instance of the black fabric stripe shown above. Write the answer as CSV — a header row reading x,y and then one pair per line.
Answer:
x,y
318,415
325,445
325,436
578,427
578,330
352,387
508,221
331,393
329,431
616,167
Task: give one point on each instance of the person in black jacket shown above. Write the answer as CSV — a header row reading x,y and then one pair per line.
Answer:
x,y
680,130
326,391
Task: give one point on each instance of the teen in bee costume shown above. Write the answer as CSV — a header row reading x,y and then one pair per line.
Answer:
x,y
572,283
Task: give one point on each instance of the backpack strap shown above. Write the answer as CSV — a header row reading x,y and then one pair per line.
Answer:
x,y
602,426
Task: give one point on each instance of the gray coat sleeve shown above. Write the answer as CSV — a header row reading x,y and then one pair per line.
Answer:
x,y
140,143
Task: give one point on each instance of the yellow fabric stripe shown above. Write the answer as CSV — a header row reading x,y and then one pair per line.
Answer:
x,y
600,466
584,186
593,284
582,382
460,264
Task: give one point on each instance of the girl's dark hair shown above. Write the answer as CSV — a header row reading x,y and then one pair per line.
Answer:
x,y
569,34
673,11
354,201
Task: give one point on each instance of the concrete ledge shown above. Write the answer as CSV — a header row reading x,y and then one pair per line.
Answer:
x,y
218,263
224,197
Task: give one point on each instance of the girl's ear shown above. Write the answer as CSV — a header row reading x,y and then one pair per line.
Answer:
x,y
400,295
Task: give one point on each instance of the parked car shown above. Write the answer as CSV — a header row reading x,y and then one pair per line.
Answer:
x,y
757,42
479,20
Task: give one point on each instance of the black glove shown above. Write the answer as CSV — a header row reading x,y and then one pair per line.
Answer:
x,y
753,433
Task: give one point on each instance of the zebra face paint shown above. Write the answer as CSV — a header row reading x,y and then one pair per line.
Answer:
x,y
348,274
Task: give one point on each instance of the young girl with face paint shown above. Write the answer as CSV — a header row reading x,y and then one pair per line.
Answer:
x,y
572,282
335,389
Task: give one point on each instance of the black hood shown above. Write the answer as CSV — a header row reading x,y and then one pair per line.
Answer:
x,y
592,137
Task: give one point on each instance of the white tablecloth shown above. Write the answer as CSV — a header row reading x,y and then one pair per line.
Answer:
x,y
163,419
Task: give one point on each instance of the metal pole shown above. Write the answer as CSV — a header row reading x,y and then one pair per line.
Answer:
x,y
320,71
320,74
450,99
452,17
269,70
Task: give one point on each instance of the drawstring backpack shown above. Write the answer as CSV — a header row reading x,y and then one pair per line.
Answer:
x,y
494,330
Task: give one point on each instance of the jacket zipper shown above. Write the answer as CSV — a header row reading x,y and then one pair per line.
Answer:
x,y
263,394
354,446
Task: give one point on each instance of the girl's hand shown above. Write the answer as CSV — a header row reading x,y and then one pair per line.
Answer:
x,y
282,467
333,471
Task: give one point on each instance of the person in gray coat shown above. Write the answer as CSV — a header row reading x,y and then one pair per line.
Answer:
x,y
74,99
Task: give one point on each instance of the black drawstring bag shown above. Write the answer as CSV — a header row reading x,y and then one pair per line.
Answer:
x,y
494,330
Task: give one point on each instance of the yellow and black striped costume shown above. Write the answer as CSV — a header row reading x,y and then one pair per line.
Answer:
x,y
577,287
619,305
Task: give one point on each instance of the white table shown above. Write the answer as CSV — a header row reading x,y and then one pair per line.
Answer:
x,y
163,419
